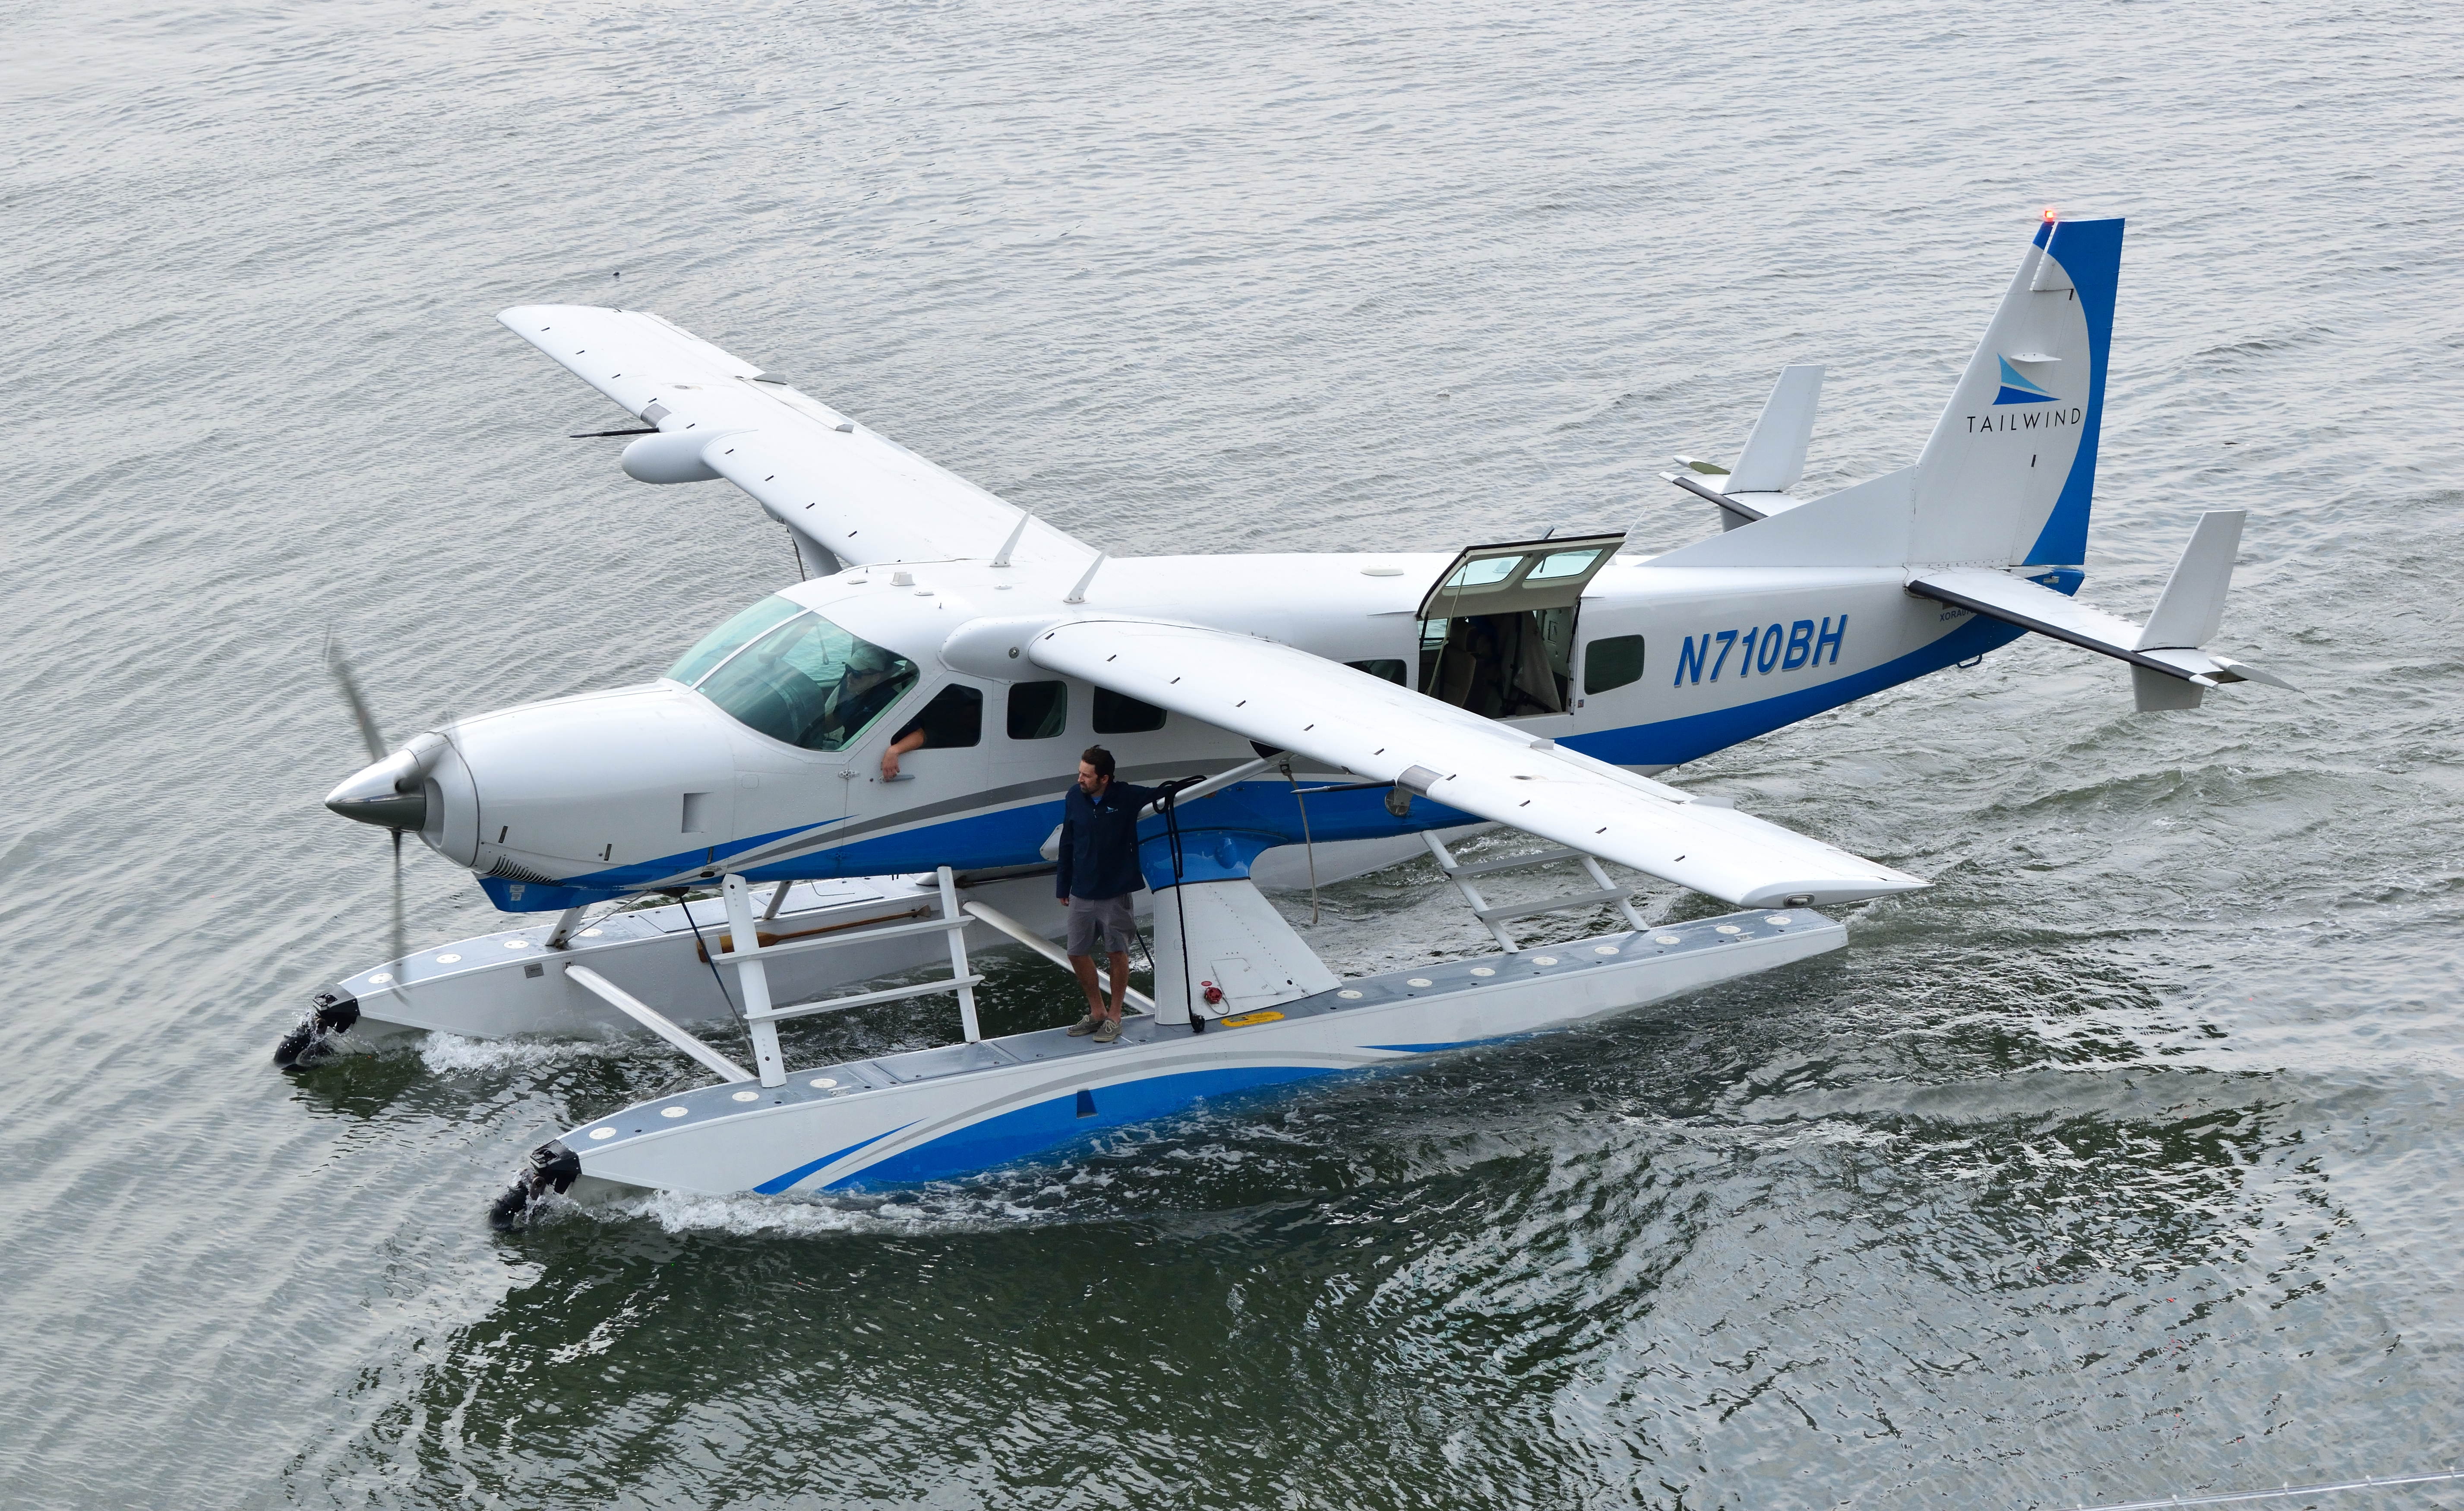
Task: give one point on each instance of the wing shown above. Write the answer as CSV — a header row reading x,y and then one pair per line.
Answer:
x,y
857,493
1292,700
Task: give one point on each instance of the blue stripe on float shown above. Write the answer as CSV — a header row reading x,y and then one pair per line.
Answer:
x,y
1046,1126
1430,1049
779,1183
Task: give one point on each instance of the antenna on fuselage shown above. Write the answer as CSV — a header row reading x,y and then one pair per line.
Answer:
x,y
1078,594
1015,537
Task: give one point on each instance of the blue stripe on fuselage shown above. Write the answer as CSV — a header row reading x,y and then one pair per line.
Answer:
x,y
1672,742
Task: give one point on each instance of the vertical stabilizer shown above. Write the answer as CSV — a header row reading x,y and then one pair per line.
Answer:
x,y
1774,455
2009,471
2193,605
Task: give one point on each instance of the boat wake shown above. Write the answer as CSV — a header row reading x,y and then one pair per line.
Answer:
x,y
452,1054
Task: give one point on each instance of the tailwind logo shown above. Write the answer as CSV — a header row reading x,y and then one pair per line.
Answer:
x,y
2018,388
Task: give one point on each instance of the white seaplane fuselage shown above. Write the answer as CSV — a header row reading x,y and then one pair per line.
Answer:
x,y
606,793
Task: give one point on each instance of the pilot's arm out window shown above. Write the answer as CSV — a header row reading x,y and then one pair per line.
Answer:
x,y
952,719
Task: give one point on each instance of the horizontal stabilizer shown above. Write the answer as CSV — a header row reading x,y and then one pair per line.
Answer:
x,y
1773,461
2168,669
1289,699
1733,512
2031,605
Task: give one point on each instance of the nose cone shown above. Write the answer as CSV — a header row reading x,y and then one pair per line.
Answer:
x,y
390,794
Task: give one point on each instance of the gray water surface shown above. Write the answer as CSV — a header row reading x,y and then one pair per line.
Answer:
x,y
2119,1164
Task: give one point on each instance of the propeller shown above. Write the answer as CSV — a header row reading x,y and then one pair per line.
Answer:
x,y
338,664
388,793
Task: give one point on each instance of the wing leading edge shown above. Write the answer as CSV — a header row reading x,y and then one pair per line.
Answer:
x,y
1285,697
851,490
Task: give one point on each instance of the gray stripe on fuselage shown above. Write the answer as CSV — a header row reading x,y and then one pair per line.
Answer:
x,y
973,803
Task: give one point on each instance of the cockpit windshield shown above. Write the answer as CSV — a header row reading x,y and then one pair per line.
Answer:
x,y
788,672
741,629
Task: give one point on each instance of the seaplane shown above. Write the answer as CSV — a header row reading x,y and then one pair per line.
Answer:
x,y
859,777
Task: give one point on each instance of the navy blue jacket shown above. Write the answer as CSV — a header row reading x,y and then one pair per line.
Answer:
x,y
1099,841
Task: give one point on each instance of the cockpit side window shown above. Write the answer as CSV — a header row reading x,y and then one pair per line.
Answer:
x,y
954,719
805,681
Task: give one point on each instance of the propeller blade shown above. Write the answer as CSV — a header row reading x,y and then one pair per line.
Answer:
x,y
401,946
339,666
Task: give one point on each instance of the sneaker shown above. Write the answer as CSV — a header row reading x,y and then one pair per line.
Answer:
x,y
1084,1026
1110,1031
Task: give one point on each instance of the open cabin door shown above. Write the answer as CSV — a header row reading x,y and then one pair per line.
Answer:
x,y
1497,633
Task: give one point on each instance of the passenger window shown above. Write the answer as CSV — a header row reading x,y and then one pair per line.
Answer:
x,y
1391,670
1038,710
1118,715
953,718
1612,663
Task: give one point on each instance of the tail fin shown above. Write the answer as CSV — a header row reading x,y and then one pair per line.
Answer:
x,y
2008,474
1773,457
2007,477
2193,605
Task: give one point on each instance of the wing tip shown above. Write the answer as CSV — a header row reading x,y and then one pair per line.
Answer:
x,y
1832,892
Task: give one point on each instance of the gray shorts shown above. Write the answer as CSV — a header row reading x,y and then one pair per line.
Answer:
x,y
1107,921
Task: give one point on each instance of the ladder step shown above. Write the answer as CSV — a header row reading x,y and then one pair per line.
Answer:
x,y
1499,915
861,932
834,1004
1517,863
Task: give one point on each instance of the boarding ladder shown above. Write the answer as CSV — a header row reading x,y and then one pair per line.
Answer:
x,y
1496,918
749,957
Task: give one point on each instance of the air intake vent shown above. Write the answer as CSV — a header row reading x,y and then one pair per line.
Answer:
x,y
516,871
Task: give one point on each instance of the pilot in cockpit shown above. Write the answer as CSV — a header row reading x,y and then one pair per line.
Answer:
x,y
873,681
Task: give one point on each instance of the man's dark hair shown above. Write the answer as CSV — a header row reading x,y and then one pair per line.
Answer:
x,y
1100,758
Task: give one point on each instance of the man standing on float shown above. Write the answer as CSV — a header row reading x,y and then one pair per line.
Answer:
x,y
1099,871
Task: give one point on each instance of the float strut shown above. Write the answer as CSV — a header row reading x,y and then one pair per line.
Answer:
x,y
752,981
